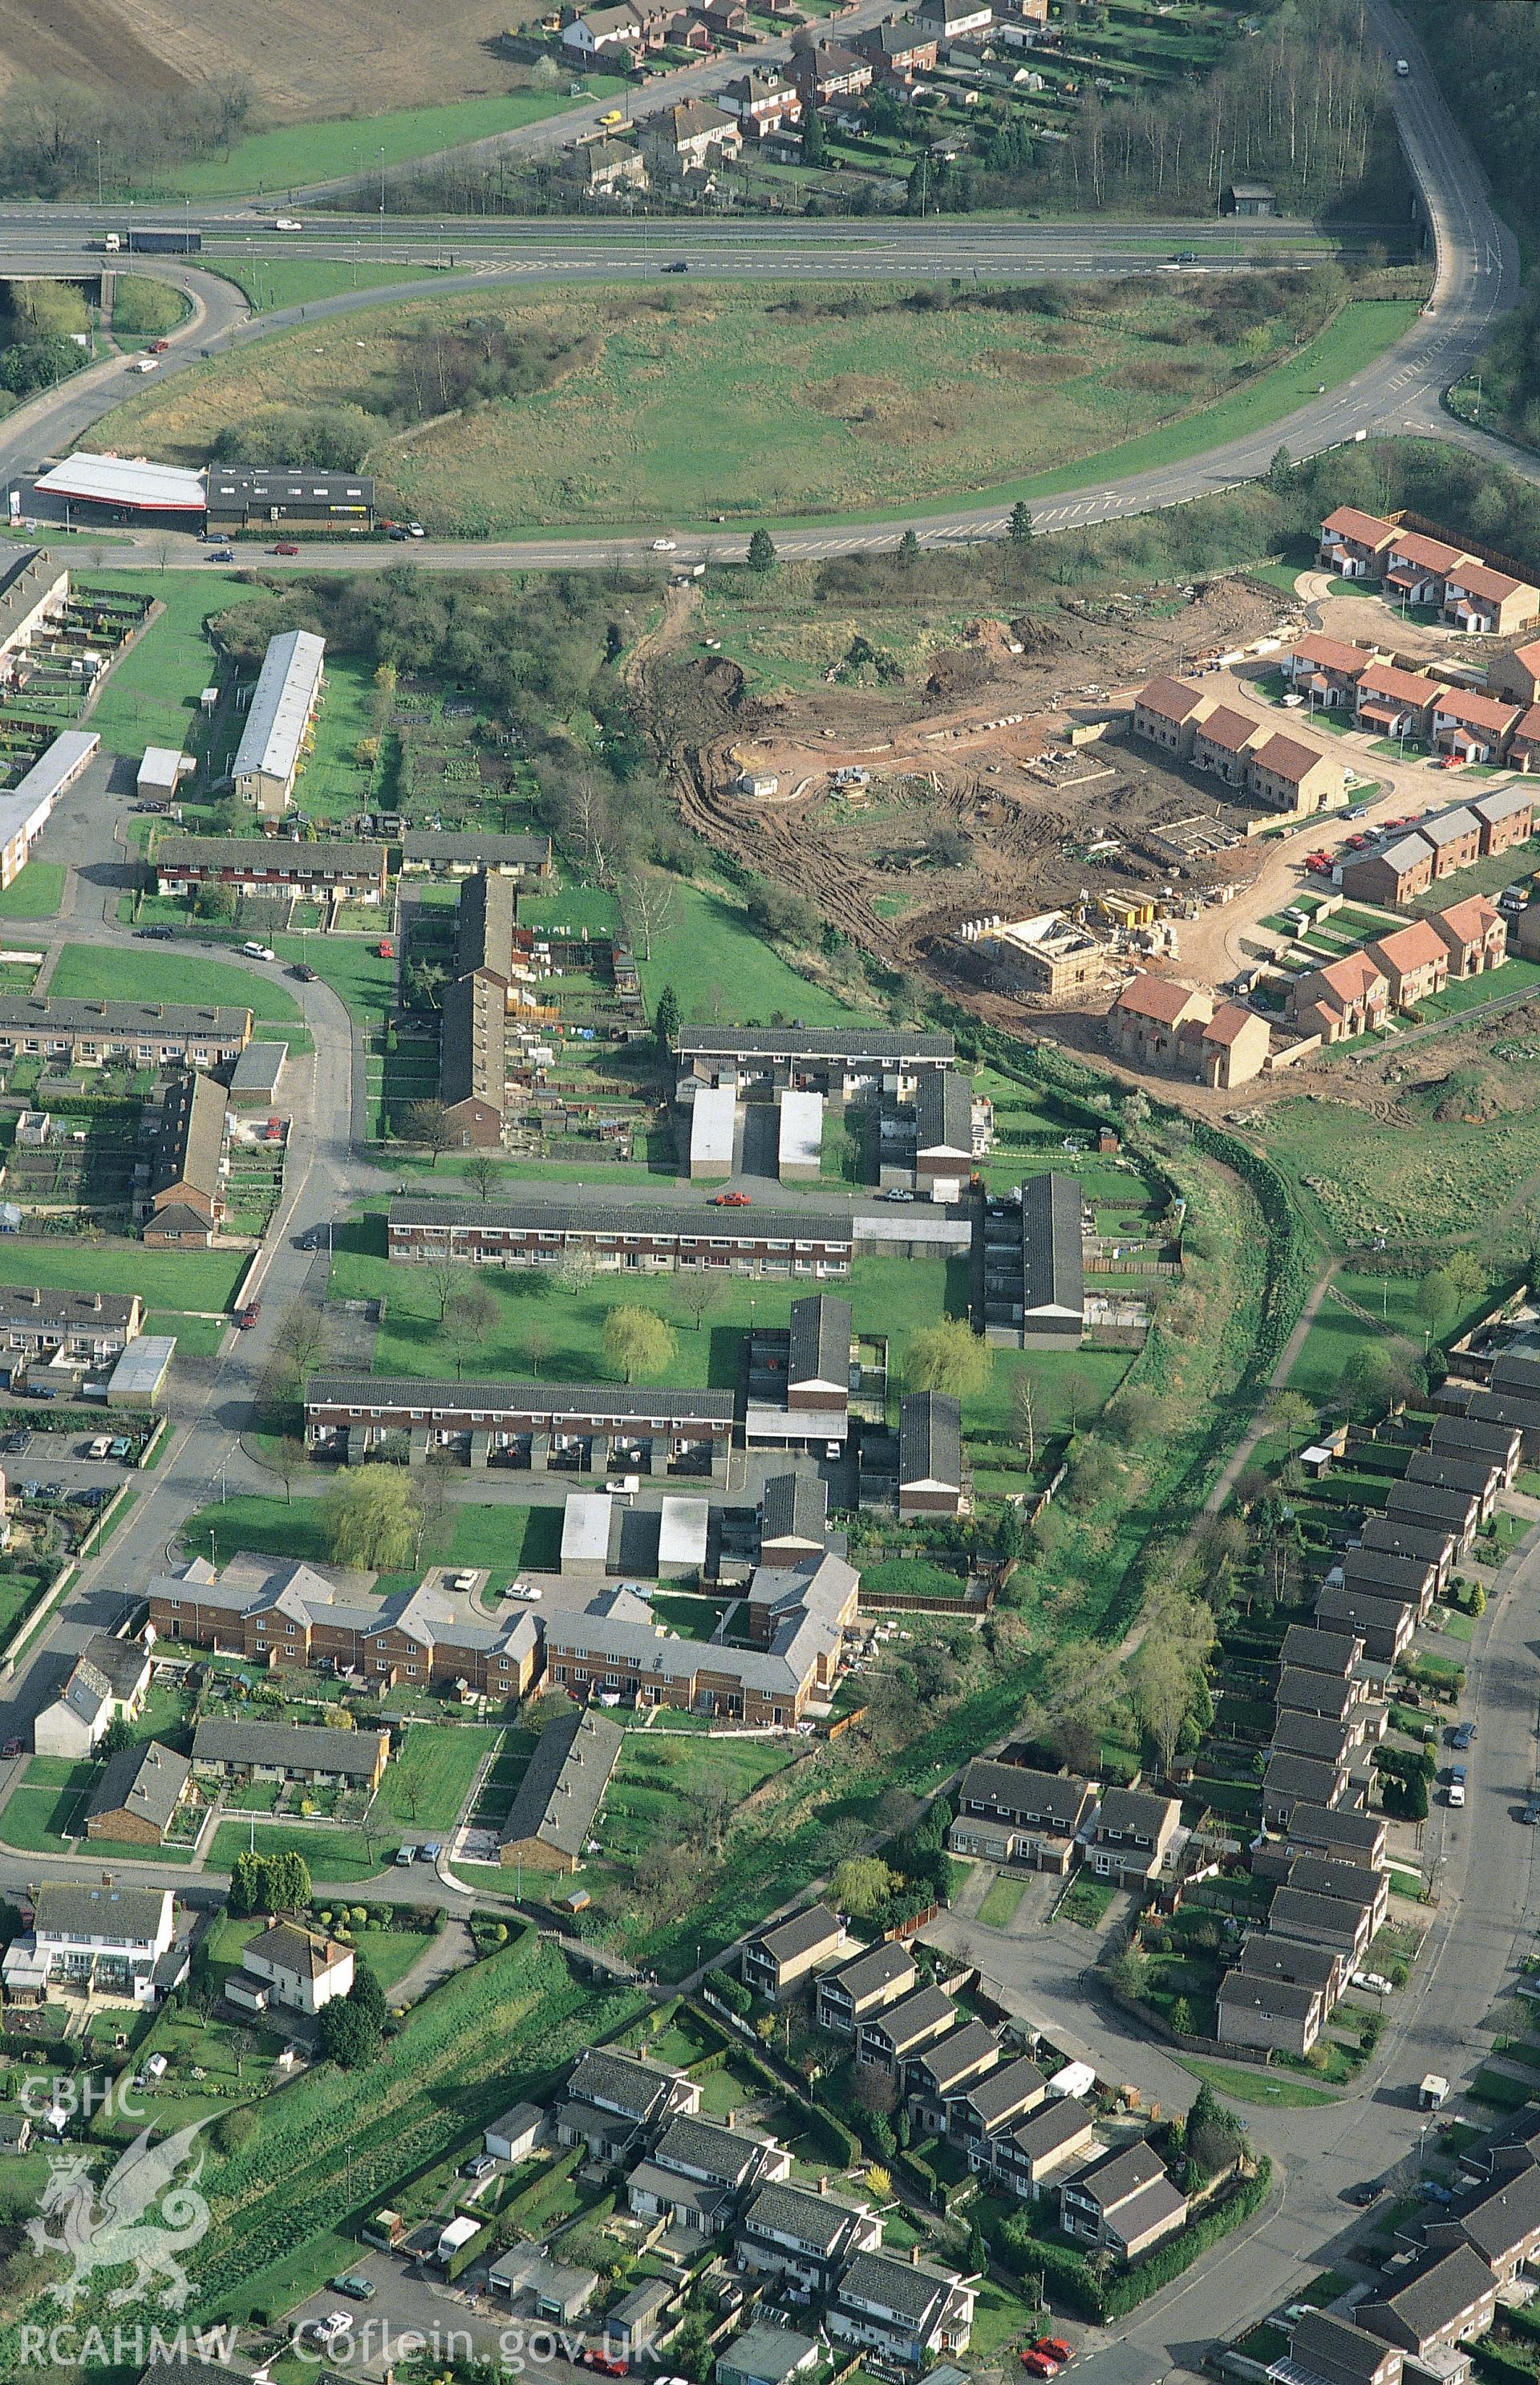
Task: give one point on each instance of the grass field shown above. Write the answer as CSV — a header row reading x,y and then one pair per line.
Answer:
x,y
152,695
289,155
339,1854
720,968
503,1539
200,1281
428,1782
35,894
745,402
152,974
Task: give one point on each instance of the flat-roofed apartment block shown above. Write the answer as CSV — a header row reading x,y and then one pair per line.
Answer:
x,y
1327,2350
577,1427
282,866
1010,1815
26,808
1028,2157
777,1958
790,2232
556,1805
1419,569
1327,671
931,1454
456,853
847,1063
868,1983
1166,712
1394,703
1448,2303
1125,2203
243,497
1356,545
713,1134
1487,602
82,1033
649,1241
191,1165
1269,2015
277,722
799,1134
1034,1266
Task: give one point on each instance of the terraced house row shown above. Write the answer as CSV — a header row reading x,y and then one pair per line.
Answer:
x,y
1394,972
1468,593
1271,765
1390,701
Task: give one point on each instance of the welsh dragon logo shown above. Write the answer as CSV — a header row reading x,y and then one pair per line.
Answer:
x,y
110,2227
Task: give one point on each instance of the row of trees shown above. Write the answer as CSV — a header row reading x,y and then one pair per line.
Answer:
x,y
60,138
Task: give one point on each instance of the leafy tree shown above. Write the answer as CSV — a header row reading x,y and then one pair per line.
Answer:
x,y
862,1883
1181,2018
371,1517
429,1123
1010,1533
1215,2139
286,1883
245,1883
666,1019
1294,1417
118,1735
234,2129
949,1356
367,1992
577,1270
1020,523
638,1342
1129,1972
762,552
348,2037
978,2256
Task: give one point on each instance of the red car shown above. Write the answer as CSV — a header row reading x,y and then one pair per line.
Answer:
x,y
1037,2363
287,548
1451,762
1357,844
159,347
12,1747
605,2363
729,1200
1055,2347
386,949
250,1314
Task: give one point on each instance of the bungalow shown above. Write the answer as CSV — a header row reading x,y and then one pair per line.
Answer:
x,y
1488,604
290,1969
892,2038
1394,703
1327,2350
872,1980
1025,2158
138,1794
1135,1836
1517,675
1418,569
1222,743
1474,933
315,1753
1001,2099
1270,2015
1396,874
1166,712
1327,671
1291,776
780,1956
1348,997
1448,2302
1524,751
896,2308
1476,727
1507,815
1414,959
1125,2203
790,2232
1011,1814
1356,545
766,2355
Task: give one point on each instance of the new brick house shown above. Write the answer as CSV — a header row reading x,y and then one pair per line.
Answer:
x,y
898,51
1135,1836
1327,671
1345,998
868,1983
1474,933
1396,874
789,1951
1356,545
1291,776
1487,603
1414,959
1145,1021
1476,727
1516,674
1222,743
1166,712
1523,749
1268,2014
1394,703
1455,836
1419,569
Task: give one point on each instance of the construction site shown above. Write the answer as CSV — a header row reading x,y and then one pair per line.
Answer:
x,y
993,823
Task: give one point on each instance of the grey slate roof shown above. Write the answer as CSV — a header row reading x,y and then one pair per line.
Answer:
x,y
906,2023
815,2219
336,858
34,1307
930,1439
1329,1826
1505,2215
1308,1648
604,2077
820,1350
1002,2091
121,1663
144,1781
1320,2339
1052,1267
313,1747
944,1113
469,846
812,1043
44,1014
957,2054
803,1933
874,1967
723,2154
68,1908
1136,1812
517,1399
1053,1800
897,2286
796,1507
1434,2299
1273,1955
1058,2123
1256,1992
564,1786
628,1218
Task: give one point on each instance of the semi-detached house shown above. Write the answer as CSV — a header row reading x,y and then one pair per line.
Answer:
x,y
1125,2203
872,1980
1487,602
1011,1814
1394,703
1327,671
793,2233
1476,727
899,2310
1419,569
1414,960
775,1961
1027,2158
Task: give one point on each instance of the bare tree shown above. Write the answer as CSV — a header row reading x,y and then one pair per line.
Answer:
x,y
470,1314
697,1294
537,1340
429,1123
647,903
445,1276
1024,1416
481,1171
304,1336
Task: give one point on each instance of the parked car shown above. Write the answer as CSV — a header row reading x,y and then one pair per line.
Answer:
x,y
416,529
1463,1735
406,1855
398,534
1362,2194
1055,2347
17,1443
154,935
286,546
357,2288
253,951
480,2165
899,1192
248,1315
605,2364
12,1748
1037,2363
666,546
303,970
222,554
1531,1813
730,1201
122,1448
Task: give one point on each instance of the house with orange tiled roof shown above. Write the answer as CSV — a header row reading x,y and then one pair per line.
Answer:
x,y
1165,711
1524,747
1419,568
1220,741
1293,777
1155,1023
1230,1050
1396,703
1516,675
1356,545
1488,602
1327,670
1346,997
1476,727
1414,959
1475,933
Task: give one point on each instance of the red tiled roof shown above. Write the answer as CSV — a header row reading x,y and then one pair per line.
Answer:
x,y
1228,1023
1402,686
1473,711
1225,726
1410,947
1529,728
1430,553
1154,997
1468,921
1170,699
1334,654
1367,529
1286,758
1349,979
1529,655
1480,579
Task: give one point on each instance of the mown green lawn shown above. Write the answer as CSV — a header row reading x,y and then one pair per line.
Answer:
x,y
332,1854
427,1784
723,969
36,893
151,698
174,1279
159,973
